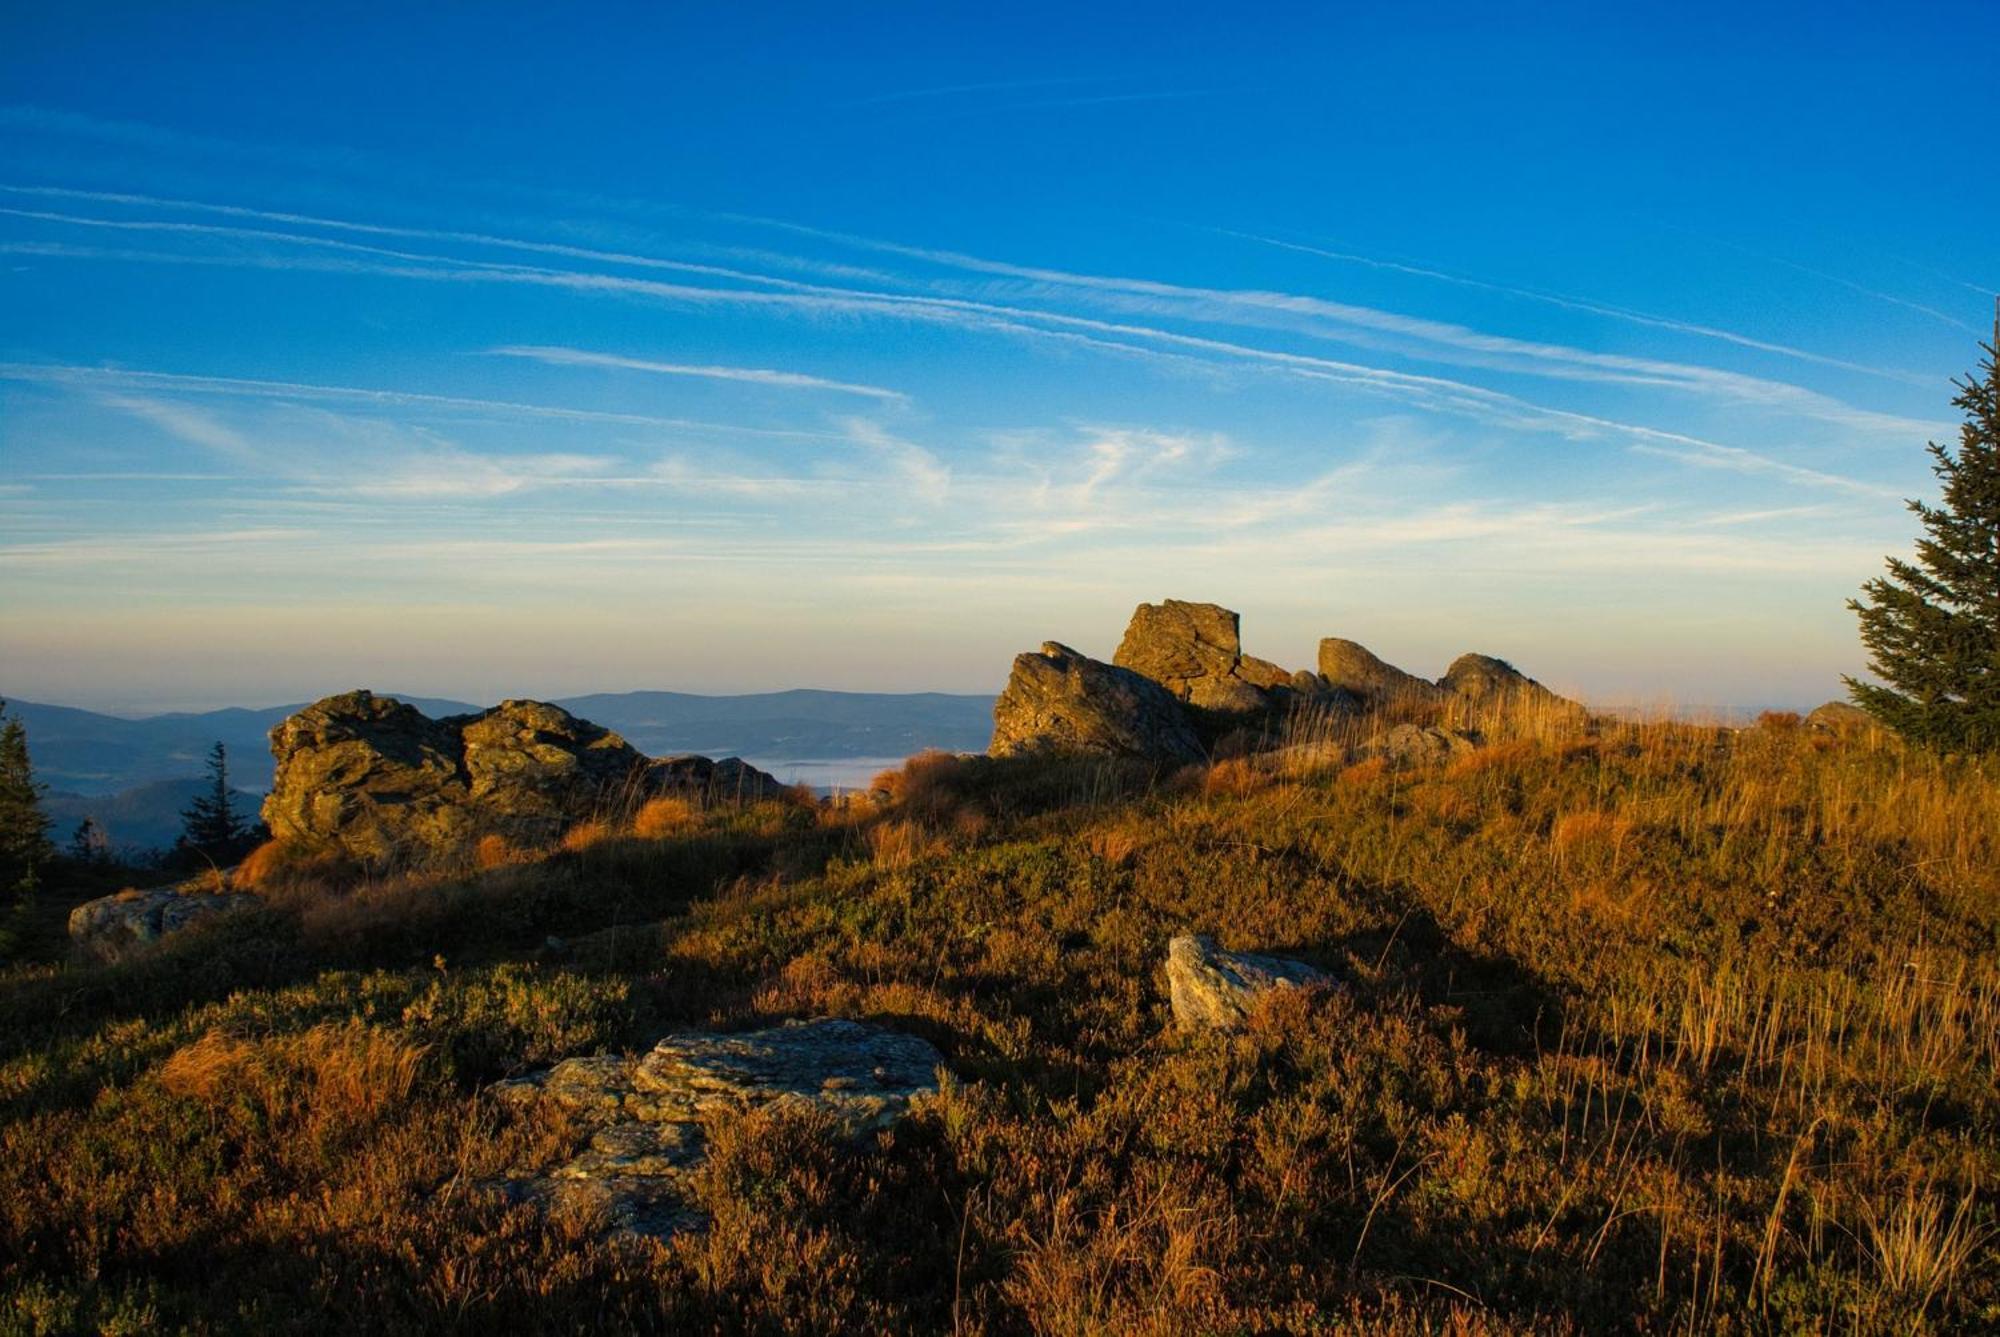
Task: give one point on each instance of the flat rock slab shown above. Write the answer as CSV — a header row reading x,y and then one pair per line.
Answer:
x,y
647,1114
1213,990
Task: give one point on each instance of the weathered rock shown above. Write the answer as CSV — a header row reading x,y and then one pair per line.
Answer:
x,y
1351,667
1213,990
376,778
1266,676
1059,702
731,779
1488,681
1304,759
369,774
1842,719
648,1116
1195,652
112,928
1417,745
533,768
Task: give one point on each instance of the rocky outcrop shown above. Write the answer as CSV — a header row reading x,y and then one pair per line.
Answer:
x,y
731,779
535,768
377,778
369,774
1842,719
647,1117
1195,652
1062,702
1419,745
1059,702
1214,990
1351,667
1487,681
113,928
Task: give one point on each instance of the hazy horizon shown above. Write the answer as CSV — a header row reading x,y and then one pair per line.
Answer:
x,y
784,355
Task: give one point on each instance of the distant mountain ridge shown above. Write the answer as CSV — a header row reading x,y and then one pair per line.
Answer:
x,y
84,752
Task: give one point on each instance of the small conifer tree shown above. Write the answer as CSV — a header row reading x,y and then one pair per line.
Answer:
x,y
24,828
87,844
209,825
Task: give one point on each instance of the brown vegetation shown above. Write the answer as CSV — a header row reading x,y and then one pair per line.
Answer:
x,y
1640,1027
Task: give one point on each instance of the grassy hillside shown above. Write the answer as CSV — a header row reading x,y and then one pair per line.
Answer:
x,y
1651,1028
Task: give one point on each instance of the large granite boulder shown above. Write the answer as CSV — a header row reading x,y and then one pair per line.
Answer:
x,y
1059,702
112,928
369,774
376,778
1487,681
649,1116
1351,667
533,768
1214,990
1195,651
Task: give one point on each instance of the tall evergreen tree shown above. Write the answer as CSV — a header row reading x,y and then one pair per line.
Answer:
x,y
210,825
24,828
1932,627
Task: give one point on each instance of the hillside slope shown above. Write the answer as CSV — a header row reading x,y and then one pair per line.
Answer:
x,y
1634,1028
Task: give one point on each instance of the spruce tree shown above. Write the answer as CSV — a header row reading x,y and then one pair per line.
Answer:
x,y
87,844
1932,627
210,825
24,829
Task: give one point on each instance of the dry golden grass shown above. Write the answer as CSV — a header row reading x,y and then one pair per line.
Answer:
x,y
659,818
1649,1026
494,851
585,835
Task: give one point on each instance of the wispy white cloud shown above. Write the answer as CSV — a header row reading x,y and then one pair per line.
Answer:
x,y
57,374
1581,304
1321,317
927,477
788,380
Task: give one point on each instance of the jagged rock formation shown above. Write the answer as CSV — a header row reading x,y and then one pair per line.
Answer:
x,y
368,773
646,1115
1353,668
1213,990
376,777
112,928
1060,702
1195,652
538,764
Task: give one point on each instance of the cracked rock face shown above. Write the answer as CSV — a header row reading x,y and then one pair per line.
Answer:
x,y
1059,702
1213,990
647,1114
1195,651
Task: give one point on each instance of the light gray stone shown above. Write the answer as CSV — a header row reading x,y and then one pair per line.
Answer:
x,y
1213,990
112,928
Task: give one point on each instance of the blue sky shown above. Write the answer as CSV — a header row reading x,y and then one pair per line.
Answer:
x,y
501,351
